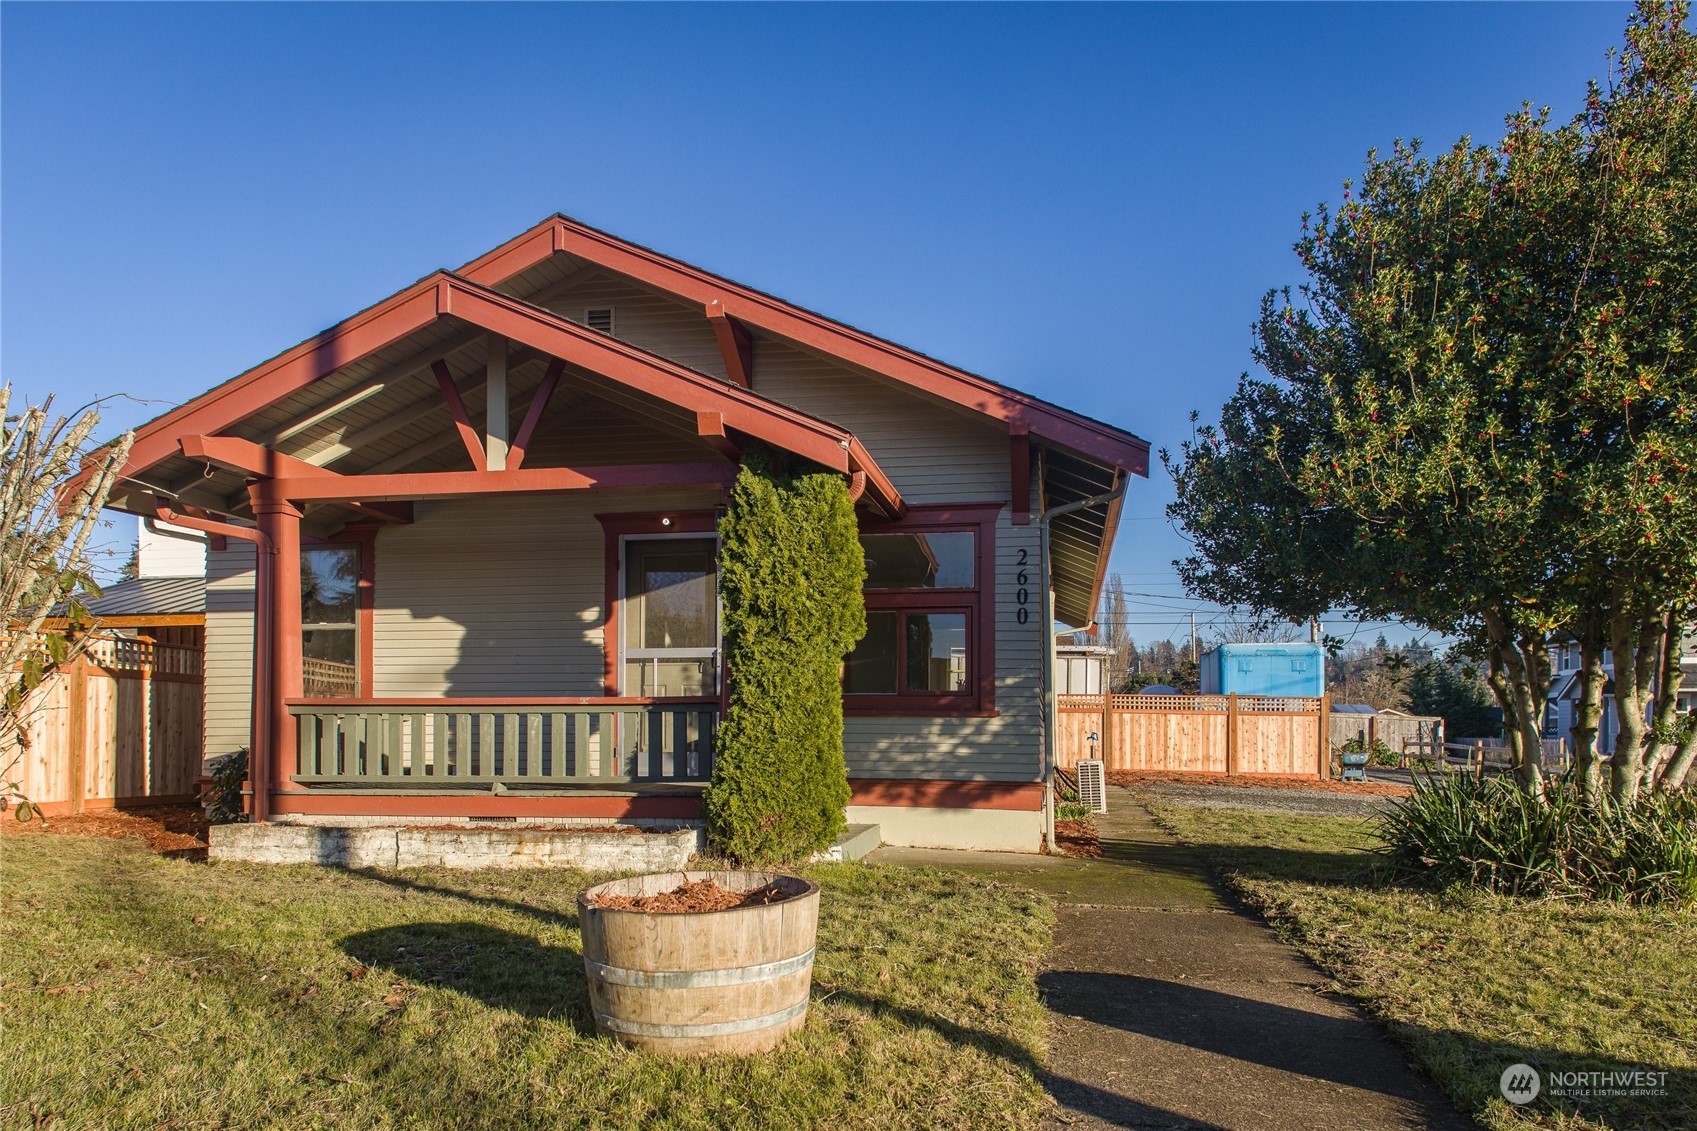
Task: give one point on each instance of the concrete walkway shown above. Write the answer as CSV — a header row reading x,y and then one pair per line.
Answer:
x,y
1174,1010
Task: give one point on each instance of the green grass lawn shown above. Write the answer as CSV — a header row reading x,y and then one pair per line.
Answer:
x,y
144,992
1472,984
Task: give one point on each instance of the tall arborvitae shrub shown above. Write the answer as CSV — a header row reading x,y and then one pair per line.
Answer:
x,y
790,577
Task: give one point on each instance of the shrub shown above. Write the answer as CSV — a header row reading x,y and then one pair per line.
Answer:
x,y
225,805
1072,811
790,578
1489,833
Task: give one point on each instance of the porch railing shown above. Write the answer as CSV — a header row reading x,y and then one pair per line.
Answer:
x,y
408,744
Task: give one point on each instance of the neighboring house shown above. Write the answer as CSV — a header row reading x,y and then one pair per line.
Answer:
x,y
485,512
1563,700
166,600
1081,669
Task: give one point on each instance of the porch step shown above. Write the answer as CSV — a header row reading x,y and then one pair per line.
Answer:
x,y
853,843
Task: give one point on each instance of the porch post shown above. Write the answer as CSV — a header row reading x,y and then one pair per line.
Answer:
x,y
280,520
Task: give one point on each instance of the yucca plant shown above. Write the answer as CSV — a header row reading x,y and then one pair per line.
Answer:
x,y
1491,834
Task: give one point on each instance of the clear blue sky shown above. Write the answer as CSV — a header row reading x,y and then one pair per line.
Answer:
x,y
1086,202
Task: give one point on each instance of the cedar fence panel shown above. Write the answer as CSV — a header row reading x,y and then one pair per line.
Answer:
x,y
121,724
1210,734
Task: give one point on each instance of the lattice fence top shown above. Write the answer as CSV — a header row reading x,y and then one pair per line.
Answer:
x,y
1213,704
124,653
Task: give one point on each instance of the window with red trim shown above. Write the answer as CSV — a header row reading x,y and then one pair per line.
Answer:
x,y
927,645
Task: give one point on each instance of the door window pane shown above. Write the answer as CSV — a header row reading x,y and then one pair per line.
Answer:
x,y
669,587
918,561
871,667
654,678
936,652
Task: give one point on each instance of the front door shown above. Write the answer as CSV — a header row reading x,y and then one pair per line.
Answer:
x,y
671,617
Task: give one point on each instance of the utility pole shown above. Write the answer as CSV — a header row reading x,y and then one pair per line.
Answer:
x,y
1193,636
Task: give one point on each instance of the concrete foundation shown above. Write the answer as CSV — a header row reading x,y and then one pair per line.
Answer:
x,y
447,846
992,830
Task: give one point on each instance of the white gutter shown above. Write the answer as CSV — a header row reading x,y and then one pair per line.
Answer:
x,y
1048,669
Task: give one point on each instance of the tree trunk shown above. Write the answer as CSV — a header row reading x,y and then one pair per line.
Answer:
x,y
1665,715
1588,712
1636,638
1521,661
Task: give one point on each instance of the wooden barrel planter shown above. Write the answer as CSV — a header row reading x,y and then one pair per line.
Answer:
x,y
694,984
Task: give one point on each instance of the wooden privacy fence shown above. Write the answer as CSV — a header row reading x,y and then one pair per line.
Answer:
x,y
1395,731
1211,734
120,724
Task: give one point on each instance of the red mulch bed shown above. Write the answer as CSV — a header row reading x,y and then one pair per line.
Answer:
x,y
1135,778
694,896
1077,838
170,830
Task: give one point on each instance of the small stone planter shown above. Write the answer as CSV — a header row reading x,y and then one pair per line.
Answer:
x,y
694,984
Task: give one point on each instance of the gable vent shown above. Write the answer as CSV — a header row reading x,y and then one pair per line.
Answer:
x,y
599,318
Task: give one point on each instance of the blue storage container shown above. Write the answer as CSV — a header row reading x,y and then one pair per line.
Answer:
x,y
1264,669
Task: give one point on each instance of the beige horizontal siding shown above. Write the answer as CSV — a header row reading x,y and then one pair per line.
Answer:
x,y
932,454
649,321
229,648
500,596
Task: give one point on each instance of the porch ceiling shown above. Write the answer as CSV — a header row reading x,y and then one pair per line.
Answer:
x,y
1078,542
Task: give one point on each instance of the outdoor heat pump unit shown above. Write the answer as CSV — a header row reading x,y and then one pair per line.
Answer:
x,y
1092,785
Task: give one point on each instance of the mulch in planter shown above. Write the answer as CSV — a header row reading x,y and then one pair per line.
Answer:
x,y
694,896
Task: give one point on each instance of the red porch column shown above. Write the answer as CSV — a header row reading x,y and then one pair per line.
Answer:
x,y
280,519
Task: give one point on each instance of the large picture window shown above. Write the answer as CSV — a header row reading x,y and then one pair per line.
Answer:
x,y
924,652
330,621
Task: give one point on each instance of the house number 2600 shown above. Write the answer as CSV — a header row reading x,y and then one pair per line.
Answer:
x,y
1022,598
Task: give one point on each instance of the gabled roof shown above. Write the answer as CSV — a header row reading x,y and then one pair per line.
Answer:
x,y
281,401
559,234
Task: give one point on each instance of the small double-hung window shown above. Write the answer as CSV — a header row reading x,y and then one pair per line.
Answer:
x,y
330,621
919,654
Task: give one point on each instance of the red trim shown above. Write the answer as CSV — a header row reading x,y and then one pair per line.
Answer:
x,y
365,333
528,481
364,535
978,602
736,346
462,419
710,426
813,331
1022,796
1019,469
369,703
538,405
248,458
614,527
483,805
634,368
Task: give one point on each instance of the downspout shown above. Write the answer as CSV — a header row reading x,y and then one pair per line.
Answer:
x,y
1050,711
259,753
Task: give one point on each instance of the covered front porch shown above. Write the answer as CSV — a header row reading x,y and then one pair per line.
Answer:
x,y
452,616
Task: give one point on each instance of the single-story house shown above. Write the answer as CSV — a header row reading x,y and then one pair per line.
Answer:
x,y
463,549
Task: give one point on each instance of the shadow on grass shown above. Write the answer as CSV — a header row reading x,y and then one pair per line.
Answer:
x,y
502,969
564,919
